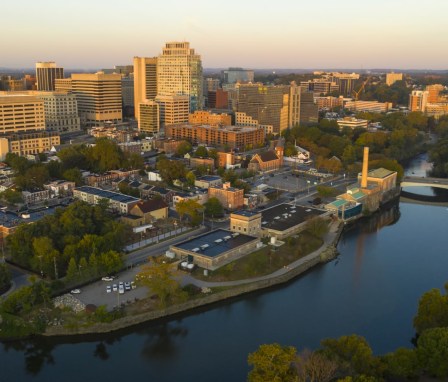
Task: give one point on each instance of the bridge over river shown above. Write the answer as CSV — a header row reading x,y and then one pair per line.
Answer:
x,y
415,181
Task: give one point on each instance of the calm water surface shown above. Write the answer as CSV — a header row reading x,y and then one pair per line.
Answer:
x,y
372,289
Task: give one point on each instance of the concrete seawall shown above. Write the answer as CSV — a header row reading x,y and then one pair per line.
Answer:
x,y
318,257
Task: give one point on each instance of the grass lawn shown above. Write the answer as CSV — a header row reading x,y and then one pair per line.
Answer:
x,y
264,261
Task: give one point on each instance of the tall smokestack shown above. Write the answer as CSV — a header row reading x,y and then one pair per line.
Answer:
x,y
365,168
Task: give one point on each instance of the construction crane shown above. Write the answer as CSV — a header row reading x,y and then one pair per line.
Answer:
x,y
357,93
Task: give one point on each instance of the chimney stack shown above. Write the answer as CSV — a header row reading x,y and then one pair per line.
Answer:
x,y
365,168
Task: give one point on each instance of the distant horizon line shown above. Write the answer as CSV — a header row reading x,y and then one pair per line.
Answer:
x,y
273,69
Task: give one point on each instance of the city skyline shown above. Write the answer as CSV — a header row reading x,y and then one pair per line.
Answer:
x,y
253,34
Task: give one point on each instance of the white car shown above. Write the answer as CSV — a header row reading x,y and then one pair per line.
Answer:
x,y
114,287
121,289
75,291
127,286
108,289
107,278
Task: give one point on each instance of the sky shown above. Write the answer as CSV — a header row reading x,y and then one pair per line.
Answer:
x,y
364,34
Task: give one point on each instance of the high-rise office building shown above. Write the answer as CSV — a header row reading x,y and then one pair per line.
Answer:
x,y
179,72
173,109
345,81
309,112
63,85
21,113
149,117
391,78
127,91
99,97
46,73
145,80
232,75
61,111
268,105
418,100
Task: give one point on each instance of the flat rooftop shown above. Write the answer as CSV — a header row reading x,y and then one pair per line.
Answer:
x,y
213,244
285,216
246,213
11,219
122,198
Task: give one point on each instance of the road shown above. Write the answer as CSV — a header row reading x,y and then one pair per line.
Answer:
x,y
141,255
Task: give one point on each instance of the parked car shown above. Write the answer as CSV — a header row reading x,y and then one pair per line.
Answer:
x,y
127,286
75,291
108,289
107,278
121,289
114,287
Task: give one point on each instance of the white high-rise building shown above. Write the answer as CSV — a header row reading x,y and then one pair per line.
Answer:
x,y
61,111
179,72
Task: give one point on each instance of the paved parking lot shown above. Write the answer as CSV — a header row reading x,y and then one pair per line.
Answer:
x,y
284,180
96,293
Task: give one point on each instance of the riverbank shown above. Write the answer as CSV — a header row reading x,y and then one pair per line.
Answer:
x,y
324,254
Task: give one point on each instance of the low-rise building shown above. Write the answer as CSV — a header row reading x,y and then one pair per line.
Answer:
x,y
28,143
215,249
208,181
368,106
60,188
230,136
109,176
145,212
246,221
352,123
271,160
231,198
33,197
206,162
117,202
286,219
202,117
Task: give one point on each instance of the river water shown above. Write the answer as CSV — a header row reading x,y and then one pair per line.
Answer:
x,y
372,289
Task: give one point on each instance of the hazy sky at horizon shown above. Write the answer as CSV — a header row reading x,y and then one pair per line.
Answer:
x,y
248,33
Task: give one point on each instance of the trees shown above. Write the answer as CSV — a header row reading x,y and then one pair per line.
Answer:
x,y
213,207
170,170
272,363
201,152
352,353
432,351
402,363
5,278
432,311
11,196
191,208
183,148
315,366
158,278
317,227
191,178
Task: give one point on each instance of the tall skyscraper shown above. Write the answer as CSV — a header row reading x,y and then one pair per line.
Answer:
x,y
99,97
145,80
268,105
179,71
46,73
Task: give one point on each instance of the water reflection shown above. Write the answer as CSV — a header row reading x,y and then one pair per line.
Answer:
x,y
37,354
161,340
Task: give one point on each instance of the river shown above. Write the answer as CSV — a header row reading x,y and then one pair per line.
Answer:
x,y
372,289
